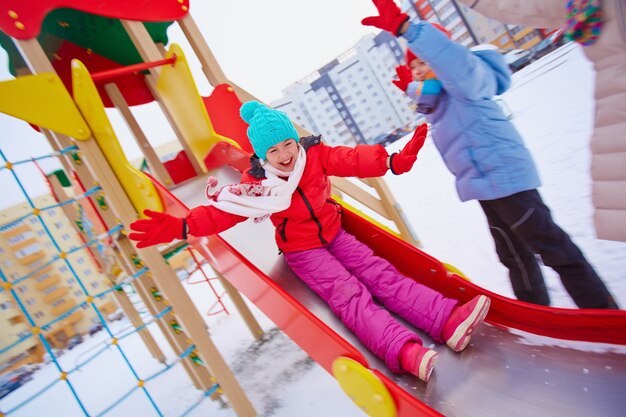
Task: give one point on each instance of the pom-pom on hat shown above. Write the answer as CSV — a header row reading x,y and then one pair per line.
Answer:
x,y
410,56
268,127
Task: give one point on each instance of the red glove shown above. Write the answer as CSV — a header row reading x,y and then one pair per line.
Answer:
x,y
406,77
391,17
157,228
403,161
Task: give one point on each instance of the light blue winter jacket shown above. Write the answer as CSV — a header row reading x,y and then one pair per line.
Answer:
x,y
478,144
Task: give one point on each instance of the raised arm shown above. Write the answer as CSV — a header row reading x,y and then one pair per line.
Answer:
x,y
366,161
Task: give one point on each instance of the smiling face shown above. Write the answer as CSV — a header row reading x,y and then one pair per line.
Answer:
x,y
420,69
283,155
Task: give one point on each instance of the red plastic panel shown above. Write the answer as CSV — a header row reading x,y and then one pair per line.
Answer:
x,y
606,326
224,153
132,86
180,168
22,19
222,107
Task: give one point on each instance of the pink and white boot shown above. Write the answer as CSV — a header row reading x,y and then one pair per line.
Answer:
x,y
458,330
418,360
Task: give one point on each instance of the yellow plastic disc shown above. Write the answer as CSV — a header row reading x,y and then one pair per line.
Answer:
x,y
455,270
364,388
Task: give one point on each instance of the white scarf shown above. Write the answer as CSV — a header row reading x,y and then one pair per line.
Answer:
x,y
262,198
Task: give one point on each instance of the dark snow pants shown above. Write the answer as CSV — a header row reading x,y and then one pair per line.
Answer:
x,y
522,226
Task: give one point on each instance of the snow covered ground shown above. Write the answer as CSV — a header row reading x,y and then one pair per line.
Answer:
x,y
551,103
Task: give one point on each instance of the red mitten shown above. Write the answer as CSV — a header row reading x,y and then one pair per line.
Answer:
x,y
403,161
390,17
157,228
405,76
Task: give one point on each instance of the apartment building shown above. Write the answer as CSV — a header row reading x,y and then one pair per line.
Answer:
x,y
351,99
46,288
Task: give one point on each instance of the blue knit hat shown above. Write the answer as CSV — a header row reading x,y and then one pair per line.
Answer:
x,y
268,127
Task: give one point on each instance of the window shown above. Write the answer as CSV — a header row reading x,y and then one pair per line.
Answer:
x,y
42,277
14,240
50,290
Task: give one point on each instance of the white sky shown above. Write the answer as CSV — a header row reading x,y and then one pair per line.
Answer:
x,y
265,46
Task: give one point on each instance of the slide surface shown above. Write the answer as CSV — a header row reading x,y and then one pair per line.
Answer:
x,y
507,370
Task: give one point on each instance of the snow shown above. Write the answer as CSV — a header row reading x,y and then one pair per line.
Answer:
x,y
551,102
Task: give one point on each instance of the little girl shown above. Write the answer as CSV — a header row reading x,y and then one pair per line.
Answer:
x,y
289,183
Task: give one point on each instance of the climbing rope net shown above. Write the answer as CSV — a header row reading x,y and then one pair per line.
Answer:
x,y
9,285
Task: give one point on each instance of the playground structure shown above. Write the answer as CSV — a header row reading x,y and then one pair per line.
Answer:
x,y
213,139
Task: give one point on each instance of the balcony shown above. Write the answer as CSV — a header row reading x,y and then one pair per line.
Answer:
x,y
55,295
48,282
75,317
63,307
18,235
30,258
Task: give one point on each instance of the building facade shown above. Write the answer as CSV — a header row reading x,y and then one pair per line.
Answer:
x,y
351,100
44,282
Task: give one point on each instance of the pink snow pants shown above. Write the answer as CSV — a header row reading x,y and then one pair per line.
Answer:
x,y
347,275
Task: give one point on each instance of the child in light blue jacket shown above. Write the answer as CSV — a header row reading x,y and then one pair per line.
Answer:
x,y
487,156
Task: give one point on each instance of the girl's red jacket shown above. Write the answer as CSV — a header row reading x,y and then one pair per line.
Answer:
x,y
313,218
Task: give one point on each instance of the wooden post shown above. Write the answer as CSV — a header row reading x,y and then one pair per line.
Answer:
x,y
155,164
394,212
121,298
242,308
169,285
200,376
210,66
150,52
